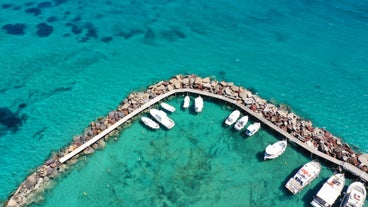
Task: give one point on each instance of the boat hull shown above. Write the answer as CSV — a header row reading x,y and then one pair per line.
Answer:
x,y
198,104
150,123
275,150
253,128
330,191
231,119
240,124
355,194
186,102
162,118
167,107
303,177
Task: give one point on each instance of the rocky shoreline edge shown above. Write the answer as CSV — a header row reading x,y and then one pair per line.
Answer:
x,y
34,186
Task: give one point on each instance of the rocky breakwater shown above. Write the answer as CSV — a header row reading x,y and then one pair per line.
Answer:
x,y
32,188
280,115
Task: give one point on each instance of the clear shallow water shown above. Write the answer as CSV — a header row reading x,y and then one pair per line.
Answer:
x,y
197,163
309,55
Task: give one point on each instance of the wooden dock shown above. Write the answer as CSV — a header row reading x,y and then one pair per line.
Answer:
x,y
346,166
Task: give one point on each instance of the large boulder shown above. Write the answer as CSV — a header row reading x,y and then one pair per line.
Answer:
x,y
198,80
186,81
12,203
31,181
235,88
228,91
170,88
88,150
206,80
207,85
177,84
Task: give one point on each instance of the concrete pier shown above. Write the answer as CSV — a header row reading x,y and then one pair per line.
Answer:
x,y
346,166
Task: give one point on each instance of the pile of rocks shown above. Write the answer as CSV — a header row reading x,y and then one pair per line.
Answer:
x,y
281,116
321,139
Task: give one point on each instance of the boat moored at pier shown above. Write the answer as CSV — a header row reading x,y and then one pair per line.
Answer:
x,y
150,123
231,119
198,104
253,128
186,102
240,124
355,195
161,117
303,177
167,107
274,150
330,191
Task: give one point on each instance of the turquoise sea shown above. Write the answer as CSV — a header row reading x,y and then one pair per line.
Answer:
x,y
65,63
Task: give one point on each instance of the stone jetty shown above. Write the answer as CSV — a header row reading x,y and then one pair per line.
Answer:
x,y
297,130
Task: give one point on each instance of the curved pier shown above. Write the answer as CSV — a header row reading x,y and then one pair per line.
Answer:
x,y
347,166
317,141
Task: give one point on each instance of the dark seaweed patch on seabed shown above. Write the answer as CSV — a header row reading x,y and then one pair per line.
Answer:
x,y
106,39
44,30
39,134
6,6
172,35
58,2
75,28
15,29
29,3
129,34
10,120
91,30
45,4
77,19
149,36
52,19
34,11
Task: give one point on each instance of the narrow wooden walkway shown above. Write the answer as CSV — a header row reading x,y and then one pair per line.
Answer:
x,y
346,166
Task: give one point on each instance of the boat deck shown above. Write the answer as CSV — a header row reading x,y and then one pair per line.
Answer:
x,y
294,186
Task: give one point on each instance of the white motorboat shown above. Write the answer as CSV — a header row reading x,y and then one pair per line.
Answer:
x,y
162,118
240,124
198,104
167,107
330,191
303,177
186,102
274,150
253,128
150,123
355,195
231,119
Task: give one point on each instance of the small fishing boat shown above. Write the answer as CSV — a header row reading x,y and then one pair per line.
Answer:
x,y
253,128
186,102
161,117
167,107
150,123
198,104
231,119
303,177
330,191
240,124
355,195
274,150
